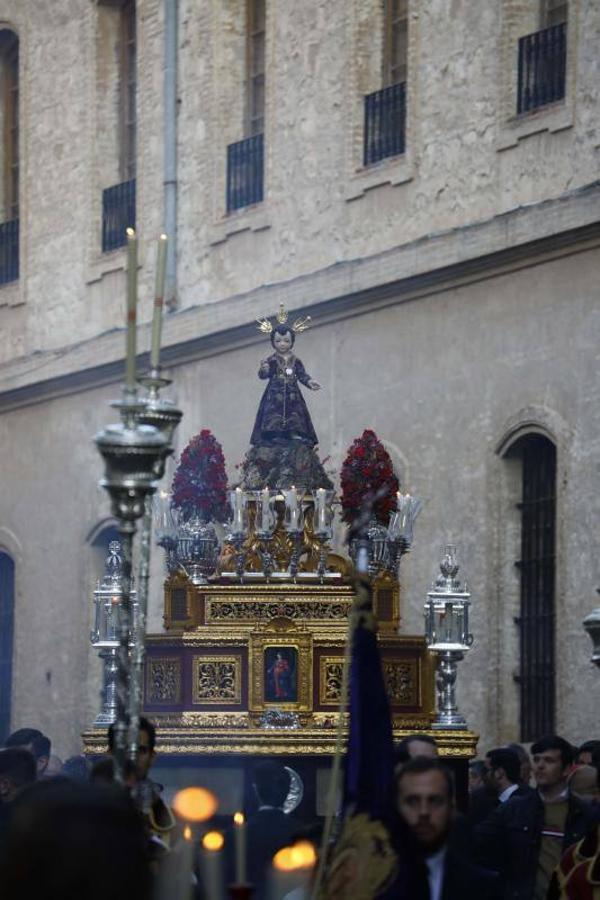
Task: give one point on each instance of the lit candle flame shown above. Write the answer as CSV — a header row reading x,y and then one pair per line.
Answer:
x,y
195,804
238,818
213,841
187,833
300,856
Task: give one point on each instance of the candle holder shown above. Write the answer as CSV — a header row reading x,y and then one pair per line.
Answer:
x,y
322,526
134,457
166,528
265,521
238,529
591,623
400,530
447,636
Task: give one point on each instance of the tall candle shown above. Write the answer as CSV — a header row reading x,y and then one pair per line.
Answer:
x,y
237,502
266,510
239,830
159,294
291,499
320,510
211,864
131,309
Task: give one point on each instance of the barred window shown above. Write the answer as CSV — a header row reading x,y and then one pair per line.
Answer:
x,y
7,612
395,41
536,568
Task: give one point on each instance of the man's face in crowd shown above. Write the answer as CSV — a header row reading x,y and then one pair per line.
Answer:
x,y
548,769
422,748
145,756
426,807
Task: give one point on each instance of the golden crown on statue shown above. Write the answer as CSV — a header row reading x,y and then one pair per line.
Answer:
x,y
301,324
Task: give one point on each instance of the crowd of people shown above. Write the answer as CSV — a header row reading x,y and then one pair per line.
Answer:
x,y
530,829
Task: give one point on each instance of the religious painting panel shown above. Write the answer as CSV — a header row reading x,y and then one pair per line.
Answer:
x,y
281,671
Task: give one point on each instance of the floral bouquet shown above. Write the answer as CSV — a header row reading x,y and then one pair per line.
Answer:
x,y
368,472
199,488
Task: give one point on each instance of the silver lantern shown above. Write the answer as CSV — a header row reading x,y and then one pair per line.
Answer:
x,y
447,635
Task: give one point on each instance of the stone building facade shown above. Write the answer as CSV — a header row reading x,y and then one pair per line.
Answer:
x,y
453,288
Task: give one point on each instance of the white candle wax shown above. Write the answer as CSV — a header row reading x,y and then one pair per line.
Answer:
x,y
266,510
239,830
321,510
291,499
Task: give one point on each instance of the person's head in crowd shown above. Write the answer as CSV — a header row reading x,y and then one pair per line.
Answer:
x,y
503,769
103,772
37,743
76,768
477,774
583,781
54,766
413,746
146,744
17,771
585,754
525,762
271,783
552,759
425,801
69,841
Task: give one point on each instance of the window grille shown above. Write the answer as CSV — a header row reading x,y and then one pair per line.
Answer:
x,y
542,68
385,122
245,165
537,575
7,613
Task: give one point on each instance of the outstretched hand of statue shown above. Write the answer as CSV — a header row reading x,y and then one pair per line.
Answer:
x,y
313,385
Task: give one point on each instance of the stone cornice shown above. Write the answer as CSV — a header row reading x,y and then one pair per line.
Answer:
x,y
522,237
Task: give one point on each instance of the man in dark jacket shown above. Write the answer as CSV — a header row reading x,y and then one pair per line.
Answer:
x,y
426,803
501,783
525,838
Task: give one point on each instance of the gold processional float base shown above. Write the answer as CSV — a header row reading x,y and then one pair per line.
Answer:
x,y
250,670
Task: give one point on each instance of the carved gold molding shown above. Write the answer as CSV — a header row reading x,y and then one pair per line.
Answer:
x,y
217,680
163,679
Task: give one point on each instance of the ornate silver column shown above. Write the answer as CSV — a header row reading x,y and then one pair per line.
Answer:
x,y
134,457
104,635
163,415
447,635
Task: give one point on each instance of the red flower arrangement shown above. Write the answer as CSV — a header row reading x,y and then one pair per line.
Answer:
x,y
200,482
366,470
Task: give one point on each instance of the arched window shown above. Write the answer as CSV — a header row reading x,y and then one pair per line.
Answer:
x,y
536,565
7,616
9,156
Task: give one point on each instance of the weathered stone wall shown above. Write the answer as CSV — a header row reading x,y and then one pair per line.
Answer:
x,y
444,367
466,160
